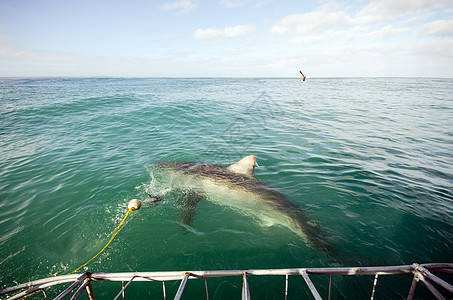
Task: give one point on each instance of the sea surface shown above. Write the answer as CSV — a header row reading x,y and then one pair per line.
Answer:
x,y
370,160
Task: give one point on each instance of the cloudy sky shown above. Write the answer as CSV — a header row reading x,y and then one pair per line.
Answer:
x,y
237,38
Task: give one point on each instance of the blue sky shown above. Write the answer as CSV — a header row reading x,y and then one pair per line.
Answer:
x,y
238,38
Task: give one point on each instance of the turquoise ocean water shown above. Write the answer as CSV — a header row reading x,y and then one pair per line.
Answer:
x,y
368,159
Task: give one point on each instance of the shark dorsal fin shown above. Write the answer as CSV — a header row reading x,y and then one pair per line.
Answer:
x,y
245,166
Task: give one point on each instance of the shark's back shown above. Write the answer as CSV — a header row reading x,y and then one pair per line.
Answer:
x,y
237,187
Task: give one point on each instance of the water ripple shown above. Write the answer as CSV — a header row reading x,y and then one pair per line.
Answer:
x,y
369,160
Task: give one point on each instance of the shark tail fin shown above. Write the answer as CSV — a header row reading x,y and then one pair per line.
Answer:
x,y
245,166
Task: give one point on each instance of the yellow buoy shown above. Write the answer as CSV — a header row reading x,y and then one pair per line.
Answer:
x,y
134,204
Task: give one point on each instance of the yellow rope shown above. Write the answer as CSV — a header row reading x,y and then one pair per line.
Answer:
x,y
115,232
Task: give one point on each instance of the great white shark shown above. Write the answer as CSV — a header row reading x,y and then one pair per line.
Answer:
x,y
236,187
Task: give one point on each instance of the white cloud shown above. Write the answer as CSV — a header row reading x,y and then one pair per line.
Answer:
x,y
169,37
309,39
332,25
183,6
435,49
383,10
10,51
238,3
312,22
349,35
228,32
388,31
441,28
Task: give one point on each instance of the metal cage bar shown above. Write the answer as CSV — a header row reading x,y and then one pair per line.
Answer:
x,y
121,293
330,287
163,290
374,286
434,278
311,286
206,287
245,287
182,286
80,290
286,286
422,272
72,286
414,285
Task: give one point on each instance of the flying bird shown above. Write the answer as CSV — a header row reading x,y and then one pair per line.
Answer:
x,y
303,76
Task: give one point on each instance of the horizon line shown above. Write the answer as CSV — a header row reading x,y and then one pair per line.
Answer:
x,y
212,77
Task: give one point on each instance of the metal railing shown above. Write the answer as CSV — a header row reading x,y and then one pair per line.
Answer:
x,y
82,282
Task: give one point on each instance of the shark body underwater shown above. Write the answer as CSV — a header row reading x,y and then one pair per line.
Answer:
x,y
236,187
